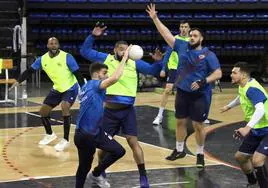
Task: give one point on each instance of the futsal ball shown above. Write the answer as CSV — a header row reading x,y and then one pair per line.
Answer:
x,y
135,52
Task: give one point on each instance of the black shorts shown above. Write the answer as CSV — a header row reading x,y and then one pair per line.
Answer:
x,y
115,120
171,76
254,143
191,104
54,97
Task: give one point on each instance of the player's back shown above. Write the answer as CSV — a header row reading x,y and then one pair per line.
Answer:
x,y
91,107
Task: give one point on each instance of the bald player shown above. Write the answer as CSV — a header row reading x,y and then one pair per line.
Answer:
x,y
62,69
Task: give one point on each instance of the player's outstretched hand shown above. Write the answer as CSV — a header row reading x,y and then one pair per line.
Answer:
x,y
16,84
157,55
237,135
151,11
99,29
224,109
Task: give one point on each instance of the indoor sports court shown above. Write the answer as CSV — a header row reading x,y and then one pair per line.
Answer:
x,y
24,164
235,30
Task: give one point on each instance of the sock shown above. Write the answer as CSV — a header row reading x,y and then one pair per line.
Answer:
x,y
251,178
96,172
142,170
261,175
47,125
66,126
179,146
200,149
161,111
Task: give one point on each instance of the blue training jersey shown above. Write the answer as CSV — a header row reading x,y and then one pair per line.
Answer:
x,y
91,107
194,65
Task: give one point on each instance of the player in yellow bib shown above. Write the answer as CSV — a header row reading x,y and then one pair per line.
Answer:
x,y
253,151
170,63
119,111
63,71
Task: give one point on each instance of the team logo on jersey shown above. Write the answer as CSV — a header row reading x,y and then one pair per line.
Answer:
x,y
202,56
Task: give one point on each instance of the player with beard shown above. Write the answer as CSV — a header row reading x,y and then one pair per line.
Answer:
x,y
198,68
63,71
253,151
170,63
119,111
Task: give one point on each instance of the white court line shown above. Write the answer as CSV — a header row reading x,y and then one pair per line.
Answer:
x,y
167,183
108,172
158,147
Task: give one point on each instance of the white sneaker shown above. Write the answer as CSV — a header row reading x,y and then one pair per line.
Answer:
x,y
47,139
62,145
100,181
207,121
158,120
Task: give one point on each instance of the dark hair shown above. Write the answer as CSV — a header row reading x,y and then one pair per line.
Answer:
x,y
95,67
198,29
244,67
184,22
120,42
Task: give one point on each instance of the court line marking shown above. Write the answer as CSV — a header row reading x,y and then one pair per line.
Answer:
x,y
36,115
167,183
158,147
216,158
108,172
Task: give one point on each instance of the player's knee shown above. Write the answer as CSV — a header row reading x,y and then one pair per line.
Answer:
x,y
43,112
132,141
198,127
180,123
120,152
256,161
240,157
167,91
65,106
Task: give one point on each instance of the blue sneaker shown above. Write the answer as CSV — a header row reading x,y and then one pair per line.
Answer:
x,y
144,183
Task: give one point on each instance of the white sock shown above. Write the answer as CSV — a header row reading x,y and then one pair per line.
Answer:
x,y
179,146
200,149
161,111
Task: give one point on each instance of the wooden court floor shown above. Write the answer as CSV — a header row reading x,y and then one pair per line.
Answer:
x,y
21,157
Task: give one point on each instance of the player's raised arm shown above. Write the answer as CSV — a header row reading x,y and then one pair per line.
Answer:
x,y
163,30
117,74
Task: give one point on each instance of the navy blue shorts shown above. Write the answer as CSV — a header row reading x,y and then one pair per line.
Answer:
x,y
254,143
191,104
90,142
171,76
115,120
54,97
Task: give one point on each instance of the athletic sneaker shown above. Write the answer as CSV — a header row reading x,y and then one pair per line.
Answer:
x,y
200,162
207,121
62,145
99,181
158,120
144,182
47,139
175,155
